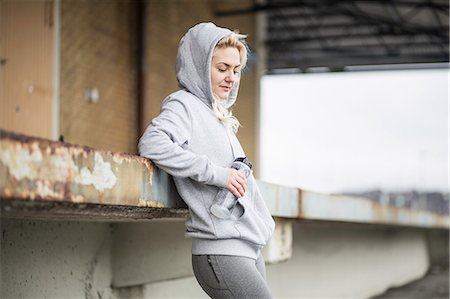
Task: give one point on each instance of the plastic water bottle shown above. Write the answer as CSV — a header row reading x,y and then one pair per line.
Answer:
x,y
225,201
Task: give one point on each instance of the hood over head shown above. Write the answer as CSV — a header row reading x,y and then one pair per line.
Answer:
x,y
193,65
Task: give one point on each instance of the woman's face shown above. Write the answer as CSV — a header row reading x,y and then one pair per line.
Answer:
x,y
225,68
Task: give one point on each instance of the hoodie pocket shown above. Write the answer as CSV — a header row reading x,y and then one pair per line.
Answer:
x,y
224,228
251,226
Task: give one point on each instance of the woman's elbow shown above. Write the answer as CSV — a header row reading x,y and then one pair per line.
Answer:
x,y
144,148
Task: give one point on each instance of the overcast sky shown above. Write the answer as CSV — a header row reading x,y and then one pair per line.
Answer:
x,y
356,131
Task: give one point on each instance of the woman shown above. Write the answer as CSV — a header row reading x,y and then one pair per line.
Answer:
x,y
194,140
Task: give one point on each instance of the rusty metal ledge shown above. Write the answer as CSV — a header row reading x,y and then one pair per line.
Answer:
x,y
54,180
39,170
288,202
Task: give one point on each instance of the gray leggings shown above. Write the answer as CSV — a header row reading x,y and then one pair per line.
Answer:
x,y
223,276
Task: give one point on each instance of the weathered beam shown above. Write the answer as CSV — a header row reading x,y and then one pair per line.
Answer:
x,y
291,202
340,62
43,179
46,210
35,169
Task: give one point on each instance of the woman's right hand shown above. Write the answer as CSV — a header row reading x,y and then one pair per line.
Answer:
x,y
237,183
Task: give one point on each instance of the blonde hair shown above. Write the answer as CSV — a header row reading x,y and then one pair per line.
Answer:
x,y
224,114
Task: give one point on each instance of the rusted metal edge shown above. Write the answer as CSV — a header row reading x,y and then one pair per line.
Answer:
x,y
290,202
40,177
361,210
36,169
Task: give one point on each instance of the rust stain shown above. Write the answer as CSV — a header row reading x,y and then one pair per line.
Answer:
x,y
76,198
119,158
8,192
37,168
54,163
150,204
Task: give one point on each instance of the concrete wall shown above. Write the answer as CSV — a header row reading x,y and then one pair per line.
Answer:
x,y
338,260
438,247
333,260
150,252
54,259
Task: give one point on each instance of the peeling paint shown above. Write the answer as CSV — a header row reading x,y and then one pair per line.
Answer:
x,y
101,176
27,161
36,169
46,189
77,198
20,161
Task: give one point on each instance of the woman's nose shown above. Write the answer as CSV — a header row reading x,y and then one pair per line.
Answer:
x,y
231,77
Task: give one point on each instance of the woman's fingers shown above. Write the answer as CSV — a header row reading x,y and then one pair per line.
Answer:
x,y
237,183
240,189
241,182
234,191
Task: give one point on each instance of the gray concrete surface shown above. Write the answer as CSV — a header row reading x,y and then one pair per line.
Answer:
x,y
62,259
434,285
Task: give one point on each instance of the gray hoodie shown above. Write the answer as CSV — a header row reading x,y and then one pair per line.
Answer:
x,y
190,143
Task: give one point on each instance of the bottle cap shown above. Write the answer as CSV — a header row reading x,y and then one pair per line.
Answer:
x,y
245,161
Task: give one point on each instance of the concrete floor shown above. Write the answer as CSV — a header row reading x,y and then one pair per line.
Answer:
x,y
434,285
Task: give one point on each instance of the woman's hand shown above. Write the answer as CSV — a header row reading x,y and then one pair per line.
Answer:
x,y
237,183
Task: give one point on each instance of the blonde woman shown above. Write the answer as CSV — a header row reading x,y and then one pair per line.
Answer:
x,y
193,139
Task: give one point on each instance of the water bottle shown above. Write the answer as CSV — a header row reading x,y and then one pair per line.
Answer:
x,y
225,201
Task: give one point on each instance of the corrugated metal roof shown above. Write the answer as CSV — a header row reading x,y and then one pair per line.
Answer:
x,y
335,34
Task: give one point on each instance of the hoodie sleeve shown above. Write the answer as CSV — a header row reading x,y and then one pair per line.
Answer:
x,y
163,142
